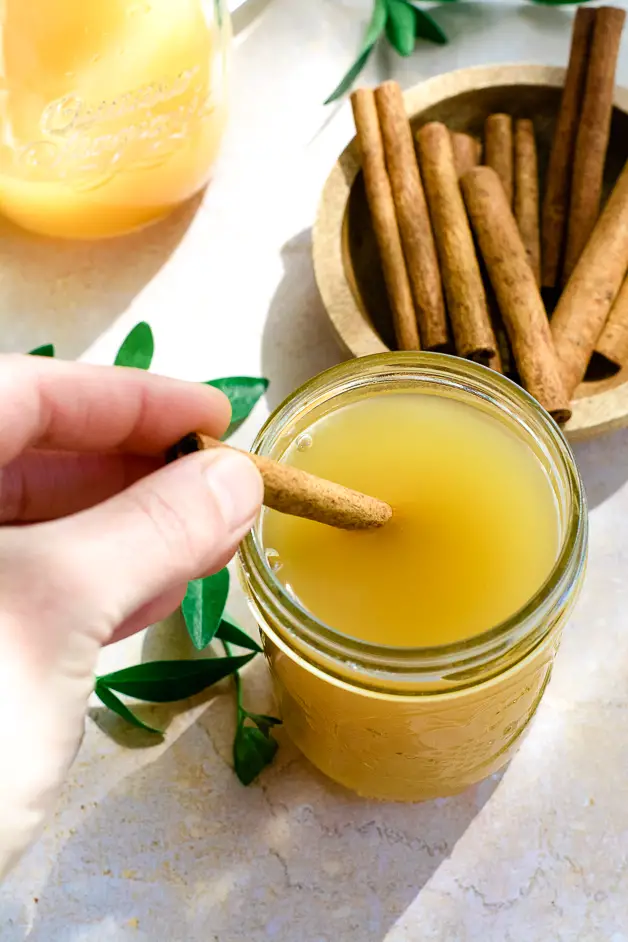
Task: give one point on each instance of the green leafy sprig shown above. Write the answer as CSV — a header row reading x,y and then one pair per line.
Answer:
x,y
253,745
203,610
402,22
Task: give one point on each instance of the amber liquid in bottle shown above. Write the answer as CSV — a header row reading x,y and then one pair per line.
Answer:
x,y
111,111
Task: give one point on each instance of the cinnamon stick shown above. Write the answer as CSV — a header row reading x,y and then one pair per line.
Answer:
x,y
413,218
382,207
516,289
498,150
585,303
556,199
613,342
527,193
293,491
467,151
502,361
593,133
464,290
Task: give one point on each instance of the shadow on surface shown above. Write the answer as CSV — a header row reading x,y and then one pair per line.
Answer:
x,y
298,340
167,640
180,850
603,464
163,844
68,292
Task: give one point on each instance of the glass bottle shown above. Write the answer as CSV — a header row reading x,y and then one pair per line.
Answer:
x,y
409,724
111,111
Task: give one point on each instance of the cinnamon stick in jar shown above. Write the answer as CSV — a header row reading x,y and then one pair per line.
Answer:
x,y
613,342
296,492
516,289
380,199
462,281
555,209
593,133
527,193
498,150
586,301
413,218
467,152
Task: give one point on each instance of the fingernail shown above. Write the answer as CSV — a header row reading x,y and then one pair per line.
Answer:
x,y
237,486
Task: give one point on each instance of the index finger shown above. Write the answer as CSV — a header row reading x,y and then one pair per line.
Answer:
x,y
78,407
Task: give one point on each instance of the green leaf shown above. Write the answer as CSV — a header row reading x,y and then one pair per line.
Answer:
x,y
230,632
427,28
376,25
203,606
252,752
138,348
114,703
373,32
47,350
166,681
349,78
400,26
243,393
263,722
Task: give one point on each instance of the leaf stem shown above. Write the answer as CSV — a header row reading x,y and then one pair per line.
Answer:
x,y
236,680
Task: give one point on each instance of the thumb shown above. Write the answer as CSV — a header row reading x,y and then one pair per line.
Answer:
x,y
66,586
177,524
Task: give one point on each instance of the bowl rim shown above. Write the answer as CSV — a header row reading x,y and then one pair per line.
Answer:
x,y
592,414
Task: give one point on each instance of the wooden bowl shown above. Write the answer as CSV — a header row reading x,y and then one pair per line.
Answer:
x,y
346,261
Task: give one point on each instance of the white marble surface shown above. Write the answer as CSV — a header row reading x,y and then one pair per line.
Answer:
x,y
159,842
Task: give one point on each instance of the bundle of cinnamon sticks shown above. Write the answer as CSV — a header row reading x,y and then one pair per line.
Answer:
x,y
465,248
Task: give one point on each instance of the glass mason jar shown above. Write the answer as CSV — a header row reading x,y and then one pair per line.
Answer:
x,y
415,723
111,111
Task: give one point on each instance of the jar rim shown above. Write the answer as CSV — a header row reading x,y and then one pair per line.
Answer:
x,y
482,383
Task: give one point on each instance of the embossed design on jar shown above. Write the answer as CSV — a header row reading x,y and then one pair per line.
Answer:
x,y
84,148
71,112
415,743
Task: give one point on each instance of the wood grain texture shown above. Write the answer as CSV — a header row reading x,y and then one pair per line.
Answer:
x,y
527,193
590,292
516,290
412,217
467,152
352,289
381,203
462,281
593,133
499,150
555,208
613,342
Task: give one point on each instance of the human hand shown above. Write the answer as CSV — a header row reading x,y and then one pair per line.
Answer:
x,y
99,538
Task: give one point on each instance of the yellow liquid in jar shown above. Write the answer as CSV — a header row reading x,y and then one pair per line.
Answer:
x,y
475,531
108,111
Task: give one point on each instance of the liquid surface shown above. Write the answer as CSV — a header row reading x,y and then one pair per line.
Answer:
x,y
109,111
475,531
